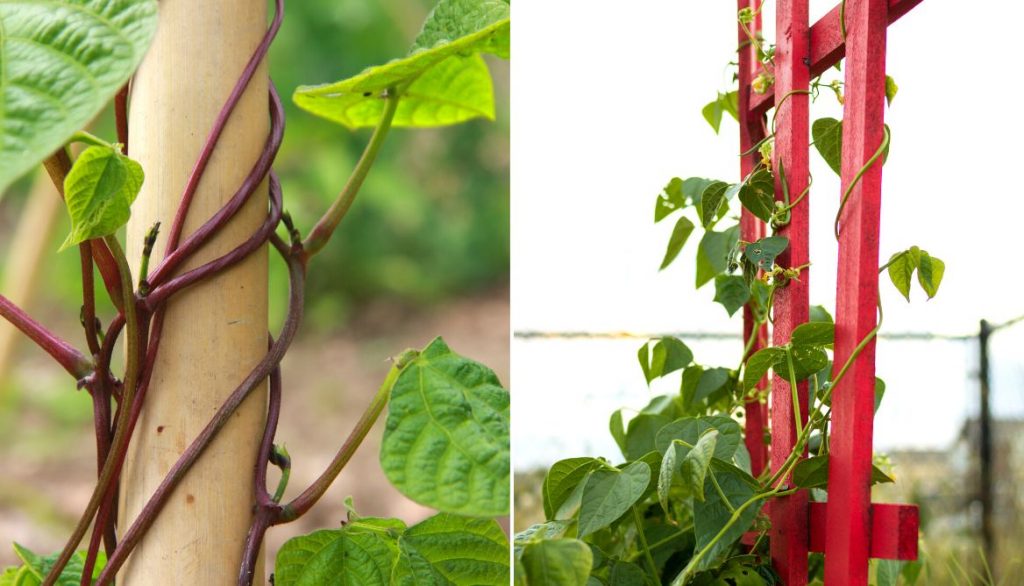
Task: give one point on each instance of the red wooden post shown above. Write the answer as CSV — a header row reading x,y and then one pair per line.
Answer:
x,y
792,75
848,530
751,228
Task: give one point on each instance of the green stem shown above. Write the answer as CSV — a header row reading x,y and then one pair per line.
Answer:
x,y
859,175
324,228
108,474
721,493
643,544
793,392
661,542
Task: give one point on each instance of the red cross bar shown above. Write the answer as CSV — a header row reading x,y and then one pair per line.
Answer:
x,y
849,529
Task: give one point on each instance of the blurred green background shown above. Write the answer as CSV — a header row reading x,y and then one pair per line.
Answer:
x,y
423,252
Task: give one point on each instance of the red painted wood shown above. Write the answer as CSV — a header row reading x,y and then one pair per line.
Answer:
x,y
894,530
751,131
789,514
827,47
848,531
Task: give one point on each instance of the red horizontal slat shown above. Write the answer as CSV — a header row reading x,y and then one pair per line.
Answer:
x,y
894,530
827,48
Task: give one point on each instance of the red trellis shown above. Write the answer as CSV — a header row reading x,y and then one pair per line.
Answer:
x,y
849,529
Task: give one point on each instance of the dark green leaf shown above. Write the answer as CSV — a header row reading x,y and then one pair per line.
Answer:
x,y
759,364
710,201
695,465
828,139
668,355
763,252
818,313
689,430
626,574
757,194
618,430
446,440
451,549
732,292
670,200
641,432
558,562
609,494
813,473
99,191
562,478
813,334
807,361
710,381
693,187
62,63
681,231
713,253
879,392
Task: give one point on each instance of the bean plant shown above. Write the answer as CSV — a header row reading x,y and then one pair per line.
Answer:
x,y
675,506
446,439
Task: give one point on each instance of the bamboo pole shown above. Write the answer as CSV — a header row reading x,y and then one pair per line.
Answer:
x,y
215,332
24,260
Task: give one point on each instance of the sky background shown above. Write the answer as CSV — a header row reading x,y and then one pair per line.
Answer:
x,y
607,110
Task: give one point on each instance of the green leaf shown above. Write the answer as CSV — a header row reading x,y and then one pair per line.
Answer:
x,y
690,429
813,334
818,313
711,516
813,473
99,191
558,562
562,478
641,432
710,201
712,112
828,139
666,475
807,361
681,231
695,465
446,440
442,81
35,568
450,549
617,429
929,273
626,574
757,194
538,532
732,292
360,553
901,269
670,200
713,253
668,355
62,63
890,92
879,392
711,380
609,494
757,365
763,252
693,187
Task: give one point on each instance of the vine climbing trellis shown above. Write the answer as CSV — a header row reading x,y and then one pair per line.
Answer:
x,y
848,529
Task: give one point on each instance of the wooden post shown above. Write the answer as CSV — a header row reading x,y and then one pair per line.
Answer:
x,y
215,332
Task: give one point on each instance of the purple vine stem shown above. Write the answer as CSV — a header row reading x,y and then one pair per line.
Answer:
x,y
73,361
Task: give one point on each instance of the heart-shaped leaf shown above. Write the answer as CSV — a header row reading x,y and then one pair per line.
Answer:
x,y
442,81
757,194
61,63
609,494
565,562
99,191
446,440
763,252
562,479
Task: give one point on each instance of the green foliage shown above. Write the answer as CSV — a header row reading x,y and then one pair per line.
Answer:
x,y
443,549
609,493
99,191
828,139
442,81
727,102
901,267
813,473
34,568
558,562
667,356
446,440
62,62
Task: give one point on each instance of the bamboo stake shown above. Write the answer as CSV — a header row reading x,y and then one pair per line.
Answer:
x,y
215,332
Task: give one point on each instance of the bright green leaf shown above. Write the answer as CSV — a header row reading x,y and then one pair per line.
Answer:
x,y
929,273
680,233
732,292
446,440
609,494
35,568
362,553
62,62
442,81
558,562
451,549
828,140
890,89
901,269
670,200
712,112
562,479
99,191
